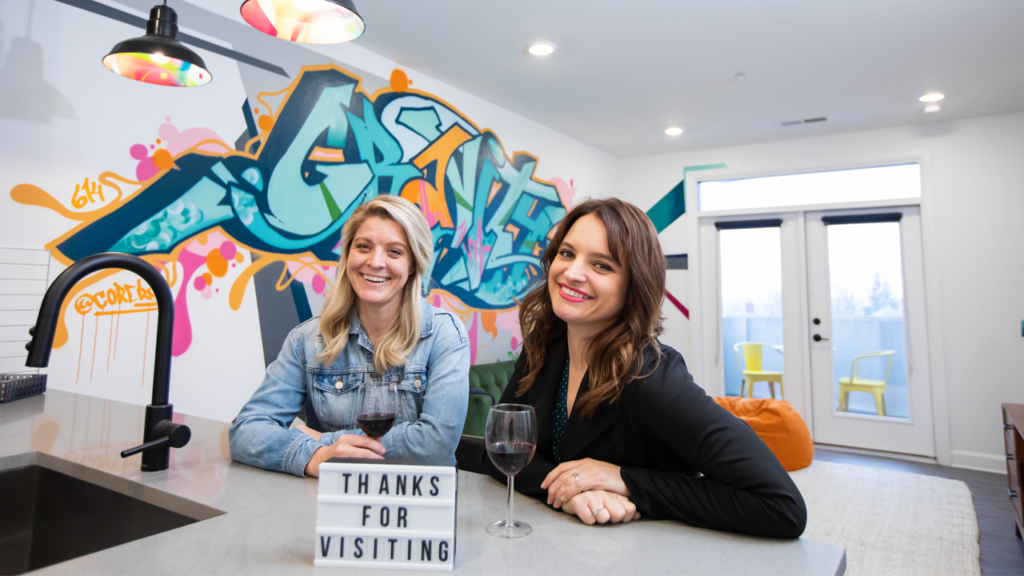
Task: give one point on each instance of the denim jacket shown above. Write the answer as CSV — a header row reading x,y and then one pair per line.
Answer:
x,y
432,386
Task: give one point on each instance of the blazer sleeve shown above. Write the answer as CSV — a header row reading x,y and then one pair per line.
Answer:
x,y
529,479
741,486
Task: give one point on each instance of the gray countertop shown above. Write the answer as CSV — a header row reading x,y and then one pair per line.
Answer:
x,y
269,520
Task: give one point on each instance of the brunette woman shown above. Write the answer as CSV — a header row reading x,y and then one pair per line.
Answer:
x,y
623,429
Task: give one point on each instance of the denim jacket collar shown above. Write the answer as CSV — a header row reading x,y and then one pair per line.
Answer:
x,y
355,327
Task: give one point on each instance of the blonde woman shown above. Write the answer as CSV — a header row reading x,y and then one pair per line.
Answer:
x,y
374,326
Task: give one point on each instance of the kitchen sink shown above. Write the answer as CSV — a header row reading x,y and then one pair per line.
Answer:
x,y
49,516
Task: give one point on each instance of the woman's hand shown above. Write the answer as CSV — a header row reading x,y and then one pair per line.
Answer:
x,y
347,446
308,431
601,507
571,478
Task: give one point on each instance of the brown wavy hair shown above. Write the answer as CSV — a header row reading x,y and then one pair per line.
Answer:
x,y
615,356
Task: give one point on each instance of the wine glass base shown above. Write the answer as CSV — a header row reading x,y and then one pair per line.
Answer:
x,y
507,529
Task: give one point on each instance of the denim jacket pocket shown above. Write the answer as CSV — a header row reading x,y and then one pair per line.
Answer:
x,y
410,394
335,399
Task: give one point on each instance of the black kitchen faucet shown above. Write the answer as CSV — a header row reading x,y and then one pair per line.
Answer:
x,y
161,433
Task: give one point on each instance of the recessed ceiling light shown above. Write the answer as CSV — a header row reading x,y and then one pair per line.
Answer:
x,y
932,108
933,97
541,48
673,131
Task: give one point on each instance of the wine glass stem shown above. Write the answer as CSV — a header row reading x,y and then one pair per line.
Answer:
x,y
511,486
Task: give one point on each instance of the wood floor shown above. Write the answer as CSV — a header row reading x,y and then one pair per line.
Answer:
x,y
1002,553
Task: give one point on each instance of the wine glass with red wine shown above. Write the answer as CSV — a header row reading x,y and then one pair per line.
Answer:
x,y
511,438
378,404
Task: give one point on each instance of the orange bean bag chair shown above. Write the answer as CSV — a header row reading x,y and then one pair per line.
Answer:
x,y
778,425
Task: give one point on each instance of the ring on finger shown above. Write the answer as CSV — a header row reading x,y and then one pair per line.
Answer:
x,y
597,510
575,475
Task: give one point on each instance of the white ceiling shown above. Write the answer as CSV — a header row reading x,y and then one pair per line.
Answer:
x,y
625,71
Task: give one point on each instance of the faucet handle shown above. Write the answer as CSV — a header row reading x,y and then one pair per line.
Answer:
x,y
171,434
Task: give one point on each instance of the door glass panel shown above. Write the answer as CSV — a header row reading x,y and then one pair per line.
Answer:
x,y
751,269
866,288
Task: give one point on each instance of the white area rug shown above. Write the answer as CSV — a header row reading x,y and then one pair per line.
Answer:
x,y
891,522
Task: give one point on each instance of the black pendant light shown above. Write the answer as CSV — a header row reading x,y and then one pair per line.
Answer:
x,y
158,57
306,21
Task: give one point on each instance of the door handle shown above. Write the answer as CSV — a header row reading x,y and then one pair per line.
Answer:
x,y
818,338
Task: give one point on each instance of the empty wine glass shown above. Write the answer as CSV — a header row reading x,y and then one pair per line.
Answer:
x,y
511,439
378,403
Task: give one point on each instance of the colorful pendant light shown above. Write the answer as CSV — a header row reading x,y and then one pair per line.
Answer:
x,y
306,21
158,57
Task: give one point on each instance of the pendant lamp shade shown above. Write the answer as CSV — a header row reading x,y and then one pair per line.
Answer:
x,y
306,21
158,57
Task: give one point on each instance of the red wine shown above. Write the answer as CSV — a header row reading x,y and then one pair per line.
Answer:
x,y
510,457
376,424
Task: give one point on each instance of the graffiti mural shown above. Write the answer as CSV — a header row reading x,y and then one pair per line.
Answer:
x,y
313,153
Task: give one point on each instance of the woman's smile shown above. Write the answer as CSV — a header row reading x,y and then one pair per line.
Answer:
x,y
573,295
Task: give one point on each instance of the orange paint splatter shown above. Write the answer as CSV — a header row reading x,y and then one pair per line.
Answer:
x,y
399,80
157,140
208,278
265,123
216,263
489,322
239,258
163,159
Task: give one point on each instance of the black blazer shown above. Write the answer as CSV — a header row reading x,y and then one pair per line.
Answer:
x,y
683,457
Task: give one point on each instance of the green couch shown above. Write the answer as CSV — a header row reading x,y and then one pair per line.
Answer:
x,y
486,384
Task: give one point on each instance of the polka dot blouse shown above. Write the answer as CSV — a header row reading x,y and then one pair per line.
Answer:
x,y
561,415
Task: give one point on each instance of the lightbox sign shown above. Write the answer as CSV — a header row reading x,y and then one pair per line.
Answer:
x,y
386,514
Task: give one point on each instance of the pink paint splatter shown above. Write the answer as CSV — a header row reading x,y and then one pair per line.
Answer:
x,y
566,192
228,250
146,169
180,141
472,340
319,284
190,262
199,283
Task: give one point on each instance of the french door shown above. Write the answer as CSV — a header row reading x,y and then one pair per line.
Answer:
x,y
868,348
832,302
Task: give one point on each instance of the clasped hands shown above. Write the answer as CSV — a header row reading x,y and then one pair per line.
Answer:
x,y
346,446
592,490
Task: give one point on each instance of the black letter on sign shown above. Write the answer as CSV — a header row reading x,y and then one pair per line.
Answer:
x,y
374,548
442,551
366,513
385,516
383,485
416,485
364,483
325,546
400,483
341,551
359,548
347,475
392,540
425,546
403,521
410,549
433,482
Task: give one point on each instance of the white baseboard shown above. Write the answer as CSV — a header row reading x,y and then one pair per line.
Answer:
x,y
995,463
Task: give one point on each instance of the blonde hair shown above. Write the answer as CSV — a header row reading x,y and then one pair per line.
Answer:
x,y
400,338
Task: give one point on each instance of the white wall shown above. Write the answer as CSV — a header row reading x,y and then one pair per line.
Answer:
x,y
973,191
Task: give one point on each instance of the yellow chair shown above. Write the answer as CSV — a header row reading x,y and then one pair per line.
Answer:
x,y
856,384
753,372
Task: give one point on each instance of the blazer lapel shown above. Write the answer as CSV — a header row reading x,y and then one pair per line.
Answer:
x,y
581,432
